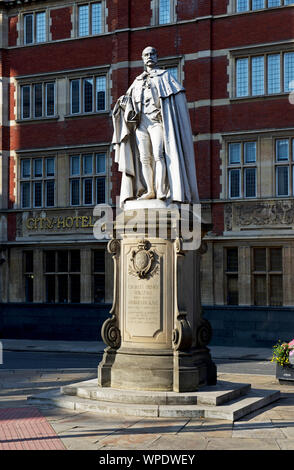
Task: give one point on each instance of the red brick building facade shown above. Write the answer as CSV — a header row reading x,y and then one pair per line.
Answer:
x,y
64,63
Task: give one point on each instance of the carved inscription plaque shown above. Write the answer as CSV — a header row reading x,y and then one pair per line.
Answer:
x,y
143,307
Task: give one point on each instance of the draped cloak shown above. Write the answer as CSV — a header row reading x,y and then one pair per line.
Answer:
x,y
179,156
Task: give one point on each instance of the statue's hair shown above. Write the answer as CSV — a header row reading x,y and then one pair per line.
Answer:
x,y
154,49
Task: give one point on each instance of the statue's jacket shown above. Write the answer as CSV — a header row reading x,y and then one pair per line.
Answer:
x,y
178,140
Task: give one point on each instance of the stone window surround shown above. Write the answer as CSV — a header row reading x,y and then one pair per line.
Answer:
x,y
31,83
249,269
173,62
228,273
92,76
62,172
89,73
47,9
240,138
68,273
154,4
21,27
242,166
268,272
232,8
86,272
285,163
13,282
93,176
75,16
214,270
246,52
31,180
62,76
28,276
266,138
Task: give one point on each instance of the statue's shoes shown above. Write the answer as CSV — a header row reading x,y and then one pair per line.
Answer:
x,y
150,195
161,196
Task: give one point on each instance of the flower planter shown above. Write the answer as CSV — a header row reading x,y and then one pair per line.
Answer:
x,y
283,355
285,374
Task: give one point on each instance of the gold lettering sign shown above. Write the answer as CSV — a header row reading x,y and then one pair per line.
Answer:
x,y
59,222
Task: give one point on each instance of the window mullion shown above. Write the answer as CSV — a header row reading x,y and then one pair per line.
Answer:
x,y
56,278
43,182
34,28
267,277
241,182
81,181
265,78
31,101
290,168
68,277
43,99
80,95
93,94
31,193
282,72
250,76
242,192
90,19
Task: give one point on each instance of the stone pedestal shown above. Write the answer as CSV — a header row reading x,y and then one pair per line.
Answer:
x,y
156,334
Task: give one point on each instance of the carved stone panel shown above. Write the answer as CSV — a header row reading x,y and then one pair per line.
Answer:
x,y
259,214
143,307
144,291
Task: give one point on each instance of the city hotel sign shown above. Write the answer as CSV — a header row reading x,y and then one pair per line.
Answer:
x,y
59,222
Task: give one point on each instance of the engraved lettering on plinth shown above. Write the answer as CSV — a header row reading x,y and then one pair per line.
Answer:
x,y
143,307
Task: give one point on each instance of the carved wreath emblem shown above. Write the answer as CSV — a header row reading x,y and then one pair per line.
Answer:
x,y
143,261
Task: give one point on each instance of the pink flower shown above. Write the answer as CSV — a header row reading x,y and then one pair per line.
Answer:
x,y
291,344
291,353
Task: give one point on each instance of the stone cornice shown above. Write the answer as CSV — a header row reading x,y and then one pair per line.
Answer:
x,y
6,4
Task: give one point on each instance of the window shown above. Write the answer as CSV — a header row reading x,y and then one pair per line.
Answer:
x,y
267,276
164,11
173,66
90,19
88,95
251,5
28,262
37,100
284,163
98,275
264,74
35,28
174,70
62,276
37,182
242,169
232,276
87,179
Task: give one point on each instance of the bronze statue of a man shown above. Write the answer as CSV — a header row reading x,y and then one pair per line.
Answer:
x,y
153,138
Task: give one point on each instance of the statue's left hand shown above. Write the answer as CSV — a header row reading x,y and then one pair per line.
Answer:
x,y
123,101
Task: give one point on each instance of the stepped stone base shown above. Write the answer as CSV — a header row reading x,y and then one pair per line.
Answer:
x,y
229,401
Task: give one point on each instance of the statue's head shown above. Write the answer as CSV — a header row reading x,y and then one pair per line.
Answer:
x,y
150,56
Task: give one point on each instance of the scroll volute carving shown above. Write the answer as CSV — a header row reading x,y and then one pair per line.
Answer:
x,y
204,333
110,329
182,333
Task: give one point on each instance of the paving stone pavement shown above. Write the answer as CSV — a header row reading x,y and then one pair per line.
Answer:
x,y
271,428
